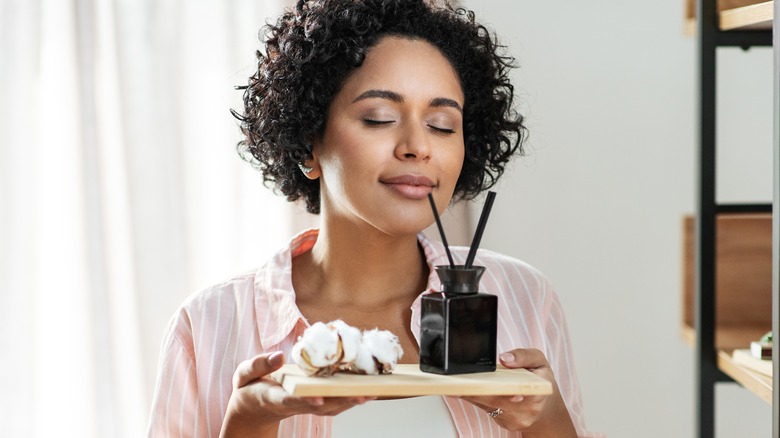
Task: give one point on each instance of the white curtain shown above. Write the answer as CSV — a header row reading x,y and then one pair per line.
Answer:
x,y
120,194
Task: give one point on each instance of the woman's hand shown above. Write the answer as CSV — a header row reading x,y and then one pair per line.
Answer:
x,y
538,415
259,403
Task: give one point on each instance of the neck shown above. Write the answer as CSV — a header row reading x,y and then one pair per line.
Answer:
x,y
361,268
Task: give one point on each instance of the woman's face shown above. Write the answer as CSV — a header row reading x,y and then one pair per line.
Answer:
x,y
394,133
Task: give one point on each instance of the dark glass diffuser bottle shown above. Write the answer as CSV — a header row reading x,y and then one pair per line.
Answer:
x,y
458,324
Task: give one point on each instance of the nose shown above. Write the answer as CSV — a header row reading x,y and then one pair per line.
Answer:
x,y
413,143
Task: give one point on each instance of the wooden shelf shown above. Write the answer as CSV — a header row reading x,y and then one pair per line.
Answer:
x,y
753,17
727,339
756,383
743,291
736,15
743,277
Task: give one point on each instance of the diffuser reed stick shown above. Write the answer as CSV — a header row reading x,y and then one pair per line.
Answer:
x,y
480,229
441,230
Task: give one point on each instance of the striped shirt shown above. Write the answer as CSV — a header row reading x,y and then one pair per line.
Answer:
x,y
255,313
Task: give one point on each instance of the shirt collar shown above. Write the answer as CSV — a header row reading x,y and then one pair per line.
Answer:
x,y
275,308
435,255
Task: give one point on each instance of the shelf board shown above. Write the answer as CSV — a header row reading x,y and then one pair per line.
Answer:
x,y
728,339
755,382
753,17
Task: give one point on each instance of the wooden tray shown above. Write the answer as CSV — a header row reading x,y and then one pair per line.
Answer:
x,y
407,380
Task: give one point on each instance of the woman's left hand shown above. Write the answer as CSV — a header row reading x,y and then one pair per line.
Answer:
x,y
537,415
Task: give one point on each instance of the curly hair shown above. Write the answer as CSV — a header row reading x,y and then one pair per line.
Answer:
x,y
310,51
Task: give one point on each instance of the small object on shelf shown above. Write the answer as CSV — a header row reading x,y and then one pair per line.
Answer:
x,y
747,360
762,349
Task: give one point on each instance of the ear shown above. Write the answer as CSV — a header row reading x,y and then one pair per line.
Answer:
x,y
313,163
310,169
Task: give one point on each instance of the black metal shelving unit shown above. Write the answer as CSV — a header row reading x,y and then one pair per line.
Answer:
x,y
709,39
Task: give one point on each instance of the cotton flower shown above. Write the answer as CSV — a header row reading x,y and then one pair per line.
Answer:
x,y
327,348
379,352
350,339
318,351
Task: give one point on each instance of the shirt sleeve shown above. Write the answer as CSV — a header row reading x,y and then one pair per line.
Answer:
x,y
176,411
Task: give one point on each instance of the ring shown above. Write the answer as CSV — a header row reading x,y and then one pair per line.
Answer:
x,y
495,412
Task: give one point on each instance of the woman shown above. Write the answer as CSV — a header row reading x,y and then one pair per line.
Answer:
x,y
361,108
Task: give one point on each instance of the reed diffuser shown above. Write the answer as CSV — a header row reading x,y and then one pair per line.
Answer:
x,y
458,323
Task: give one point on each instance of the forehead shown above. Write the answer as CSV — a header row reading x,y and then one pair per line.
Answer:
x,y
412,67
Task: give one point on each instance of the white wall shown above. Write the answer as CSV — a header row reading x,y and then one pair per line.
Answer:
x,y
609,89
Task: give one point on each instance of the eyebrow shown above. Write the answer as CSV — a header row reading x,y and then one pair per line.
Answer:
x,y
380,94
395,97
443,101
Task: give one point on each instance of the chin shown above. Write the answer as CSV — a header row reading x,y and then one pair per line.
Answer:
x,y
403,227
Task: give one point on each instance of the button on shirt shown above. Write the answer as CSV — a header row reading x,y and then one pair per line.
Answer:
x,y
255,313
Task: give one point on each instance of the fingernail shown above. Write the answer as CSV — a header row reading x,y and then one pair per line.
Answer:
x,y
507,357
517,399
316,401
276,359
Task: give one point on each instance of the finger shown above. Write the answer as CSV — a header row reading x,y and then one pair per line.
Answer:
x,y
528,400
523,358
480,404
276,395
337,405
487,403
490,403
259,366
317,405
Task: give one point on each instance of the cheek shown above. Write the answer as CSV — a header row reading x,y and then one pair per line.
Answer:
x,y
354,158
338,151
456,162
348,162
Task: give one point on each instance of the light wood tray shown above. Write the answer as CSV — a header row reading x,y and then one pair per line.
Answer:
x,y
407,380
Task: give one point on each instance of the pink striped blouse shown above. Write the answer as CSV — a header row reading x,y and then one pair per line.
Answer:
x,y
255,313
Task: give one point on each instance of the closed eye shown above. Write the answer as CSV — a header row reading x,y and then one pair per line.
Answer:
x,y
374,122
442,130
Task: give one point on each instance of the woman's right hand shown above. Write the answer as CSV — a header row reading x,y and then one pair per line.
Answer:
x,y
259,403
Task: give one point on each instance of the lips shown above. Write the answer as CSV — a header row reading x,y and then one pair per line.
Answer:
x,y
410,186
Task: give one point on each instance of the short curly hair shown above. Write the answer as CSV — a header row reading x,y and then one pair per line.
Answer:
x,y
310,51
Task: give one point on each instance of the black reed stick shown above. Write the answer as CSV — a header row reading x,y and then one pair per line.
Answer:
x,y
441,230
480,229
